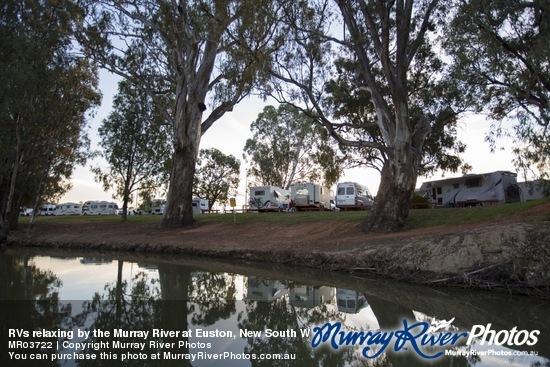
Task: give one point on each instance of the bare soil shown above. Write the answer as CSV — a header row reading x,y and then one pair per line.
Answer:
x,y
512,254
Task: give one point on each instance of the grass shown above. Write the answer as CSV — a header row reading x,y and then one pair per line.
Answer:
x,y
418,218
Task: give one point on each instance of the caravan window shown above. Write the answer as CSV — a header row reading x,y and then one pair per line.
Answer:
x,y
259,193
473,182
349,191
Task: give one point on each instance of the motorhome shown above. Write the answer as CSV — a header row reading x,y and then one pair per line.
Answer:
x,y
265,198
353,195
99,208
200,205
46,209
68,209
309,195
472,190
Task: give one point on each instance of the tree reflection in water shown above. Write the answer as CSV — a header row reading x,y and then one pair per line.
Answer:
x,y
185,297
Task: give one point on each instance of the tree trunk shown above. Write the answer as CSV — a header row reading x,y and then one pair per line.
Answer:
x,y
394,195
179,208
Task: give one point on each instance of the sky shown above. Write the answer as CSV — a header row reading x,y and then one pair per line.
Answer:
x,y
229,135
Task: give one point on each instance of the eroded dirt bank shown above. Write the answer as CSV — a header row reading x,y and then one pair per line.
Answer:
x,y
512,256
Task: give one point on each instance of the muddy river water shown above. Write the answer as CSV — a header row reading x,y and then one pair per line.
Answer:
x,y
92,309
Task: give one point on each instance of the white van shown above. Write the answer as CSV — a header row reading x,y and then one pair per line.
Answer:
x,y
352,194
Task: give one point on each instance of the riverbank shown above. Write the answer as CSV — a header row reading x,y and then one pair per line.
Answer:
x,y
511,253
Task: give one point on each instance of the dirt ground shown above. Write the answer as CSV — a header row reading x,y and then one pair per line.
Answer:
x,y
511,254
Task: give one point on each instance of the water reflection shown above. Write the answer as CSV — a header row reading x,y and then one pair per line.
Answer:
x,y
200,298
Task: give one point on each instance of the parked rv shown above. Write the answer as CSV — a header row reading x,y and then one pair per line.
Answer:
x,y
200,205
263,198
533,190
46,209
157,206
352,194
99,208
25,212
350,301
310,195
68,209
473,190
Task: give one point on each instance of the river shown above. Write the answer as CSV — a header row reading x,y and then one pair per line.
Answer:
x,y
92,309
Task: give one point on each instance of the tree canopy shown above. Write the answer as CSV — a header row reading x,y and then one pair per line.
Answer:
x,y
217,176
500,53
46,93
136,145
287,146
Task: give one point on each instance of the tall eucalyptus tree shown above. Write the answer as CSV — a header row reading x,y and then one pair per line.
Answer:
x,y
387,63
189,57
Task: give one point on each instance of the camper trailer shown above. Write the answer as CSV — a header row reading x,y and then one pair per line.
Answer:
x,y
310,195
353,195
268,198
200,205
473,190
68,209
99,208
46,209
157,206
533,190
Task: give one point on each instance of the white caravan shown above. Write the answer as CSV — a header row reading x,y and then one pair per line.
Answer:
x,y
99,208
352,194
200,205
157,206
533,190
310,195
263,198
46,209
473,190
68,209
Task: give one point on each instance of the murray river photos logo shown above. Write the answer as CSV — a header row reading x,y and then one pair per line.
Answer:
x,y
418,337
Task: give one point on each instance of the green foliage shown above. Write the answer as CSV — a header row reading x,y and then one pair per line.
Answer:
x,y
500,51
435,99
217,176
135,144
288,146
45,95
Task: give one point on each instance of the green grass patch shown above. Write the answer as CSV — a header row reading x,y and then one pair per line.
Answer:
x,y
418,218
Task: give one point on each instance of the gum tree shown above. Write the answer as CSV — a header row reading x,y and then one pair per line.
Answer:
x,y
287,146
217,176
500,51
46,93
395,68
135,145
188,56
